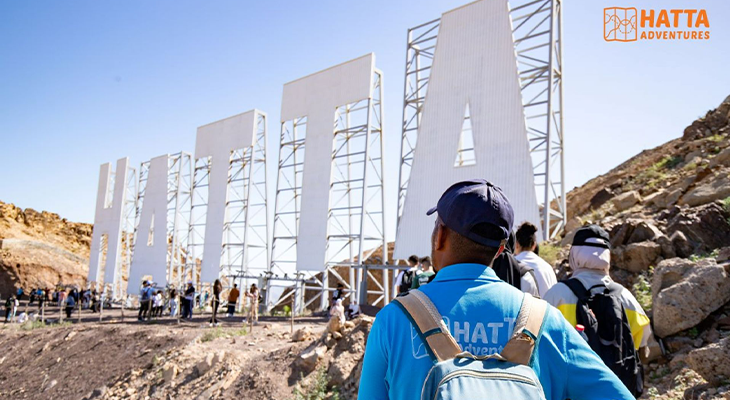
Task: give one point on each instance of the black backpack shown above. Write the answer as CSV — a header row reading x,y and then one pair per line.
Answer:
x,y
608,331
407,281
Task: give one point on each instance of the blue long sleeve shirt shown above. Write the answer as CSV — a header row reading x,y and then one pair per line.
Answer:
x,y
480,311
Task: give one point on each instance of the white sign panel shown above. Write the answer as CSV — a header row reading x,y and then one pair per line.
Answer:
x,y
150,248
218,140
474,68
317,96
108,221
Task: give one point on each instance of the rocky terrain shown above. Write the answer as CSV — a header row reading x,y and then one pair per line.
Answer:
x,y
667,211
41,249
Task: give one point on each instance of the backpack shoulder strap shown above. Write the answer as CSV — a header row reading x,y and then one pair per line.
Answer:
x,y
527,329
431,328
577,288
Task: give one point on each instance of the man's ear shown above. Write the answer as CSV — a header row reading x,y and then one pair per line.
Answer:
x,y
441,233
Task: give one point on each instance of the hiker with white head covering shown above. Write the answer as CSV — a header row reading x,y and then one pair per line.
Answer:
x,y
592,302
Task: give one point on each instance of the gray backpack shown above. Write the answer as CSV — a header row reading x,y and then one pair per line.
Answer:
x,y
458,374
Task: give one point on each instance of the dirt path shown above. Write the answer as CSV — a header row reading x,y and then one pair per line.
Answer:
x,y
115,359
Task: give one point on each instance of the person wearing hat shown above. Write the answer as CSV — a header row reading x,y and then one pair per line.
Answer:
x,y
477,310
590,260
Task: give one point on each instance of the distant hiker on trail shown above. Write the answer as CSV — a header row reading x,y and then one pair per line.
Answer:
x,y
216,301
19,294
145,301
411,348
353,310
339,293
404,280
338,311
525,252
11,307
253,312
188,301
173,302
233,299
41,298
426,276
70,304
509,269
592,299
157,302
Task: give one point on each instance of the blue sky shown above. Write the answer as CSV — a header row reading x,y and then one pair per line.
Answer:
x,y
87,82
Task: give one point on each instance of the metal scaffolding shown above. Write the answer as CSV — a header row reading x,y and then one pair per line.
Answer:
x,y
245,230
356,219
537,30
119,287
179,200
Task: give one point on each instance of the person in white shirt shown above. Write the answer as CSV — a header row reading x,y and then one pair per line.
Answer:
x,y
525,252
404,279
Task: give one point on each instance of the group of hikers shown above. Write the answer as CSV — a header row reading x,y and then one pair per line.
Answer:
x,y
66,299
485,314
154,302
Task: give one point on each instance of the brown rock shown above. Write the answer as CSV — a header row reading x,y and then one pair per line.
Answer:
x,y
684,293
644,231
706,227
712,361
626,200
302,334
723,158
636,257
716,189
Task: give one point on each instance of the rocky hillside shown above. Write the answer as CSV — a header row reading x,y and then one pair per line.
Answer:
x,y
41,249
668,214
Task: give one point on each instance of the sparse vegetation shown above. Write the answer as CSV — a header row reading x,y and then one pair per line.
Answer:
x,y
317,390
726,204
702,256
31,325
217,332
693,333
642,291
716,138
549,252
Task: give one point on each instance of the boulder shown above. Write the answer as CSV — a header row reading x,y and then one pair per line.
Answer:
x,y
723,158
717,189
706,227
636,257
723,254
302,334
670,198
626,200
169,372
207,363
712,361
681,244
644,231
599,199
684,293
335,325
667,247
308,359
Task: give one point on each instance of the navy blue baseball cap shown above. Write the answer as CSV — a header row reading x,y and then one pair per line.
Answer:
x,y
478,210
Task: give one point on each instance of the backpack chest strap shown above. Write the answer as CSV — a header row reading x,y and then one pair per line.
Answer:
x,y
527,328
431,328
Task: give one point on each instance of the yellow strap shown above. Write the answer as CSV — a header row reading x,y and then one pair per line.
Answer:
x,y
520,347
428,321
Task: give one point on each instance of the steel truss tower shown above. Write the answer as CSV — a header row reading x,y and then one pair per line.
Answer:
x,y
119,287
179,196
537,30
245,230
356,218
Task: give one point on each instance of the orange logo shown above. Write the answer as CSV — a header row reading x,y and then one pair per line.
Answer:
x,y
629,25
619,24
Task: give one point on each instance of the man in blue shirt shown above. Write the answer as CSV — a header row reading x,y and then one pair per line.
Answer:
x,y
474,220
